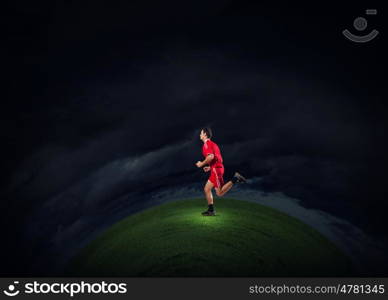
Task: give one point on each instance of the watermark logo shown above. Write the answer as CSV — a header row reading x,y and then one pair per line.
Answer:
x,y
69,288
12,291
361,24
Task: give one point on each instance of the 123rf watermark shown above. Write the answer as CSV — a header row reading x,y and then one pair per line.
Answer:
x,y
69,288
360,24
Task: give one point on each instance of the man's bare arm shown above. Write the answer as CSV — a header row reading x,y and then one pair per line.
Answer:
x,y
208,159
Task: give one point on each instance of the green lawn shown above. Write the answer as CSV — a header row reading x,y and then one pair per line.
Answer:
x,y
244,239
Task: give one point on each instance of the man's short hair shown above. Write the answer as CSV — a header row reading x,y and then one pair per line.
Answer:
x,y
207,131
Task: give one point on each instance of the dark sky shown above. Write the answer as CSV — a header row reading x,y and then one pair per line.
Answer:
x,y
105,99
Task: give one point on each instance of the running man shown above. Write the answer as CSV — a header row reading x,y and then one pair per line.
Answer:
x,y
213,164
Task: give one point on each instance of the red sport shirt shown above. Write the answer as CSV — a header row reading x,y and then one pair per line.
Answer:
x,y
216,166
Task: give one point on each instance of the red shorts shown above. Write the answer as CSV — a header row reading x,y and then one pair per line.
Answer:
x,y
217,176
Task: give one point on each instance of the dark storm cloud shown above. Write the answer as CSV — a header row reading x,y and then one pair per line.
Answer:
x,y
184,101
246,108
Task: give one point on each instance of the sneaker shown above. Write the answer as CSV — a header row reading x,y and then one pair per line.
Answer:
x,y
209,213
240,178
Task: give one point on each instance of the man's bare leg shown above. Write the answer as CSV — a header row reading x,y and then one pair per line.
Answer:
x,y
227,186
208,192
224,189
209,197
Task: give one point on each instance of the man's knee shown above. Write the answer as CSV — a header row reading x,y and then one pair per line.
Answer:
x,y
219,193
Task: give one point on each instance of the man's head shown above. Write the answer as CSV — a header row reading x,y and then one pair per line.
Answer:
x,y
206,133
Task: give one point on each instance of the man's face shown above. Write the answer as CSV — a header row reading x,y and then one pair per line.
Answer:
x,y
202,135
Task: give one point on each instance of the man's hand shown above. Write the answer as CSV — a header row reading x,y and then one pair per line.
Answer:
x,y
199,164
206,169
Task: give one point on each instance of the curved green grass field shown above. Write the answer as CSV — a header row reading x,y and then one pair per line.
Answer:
x,y
244,239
